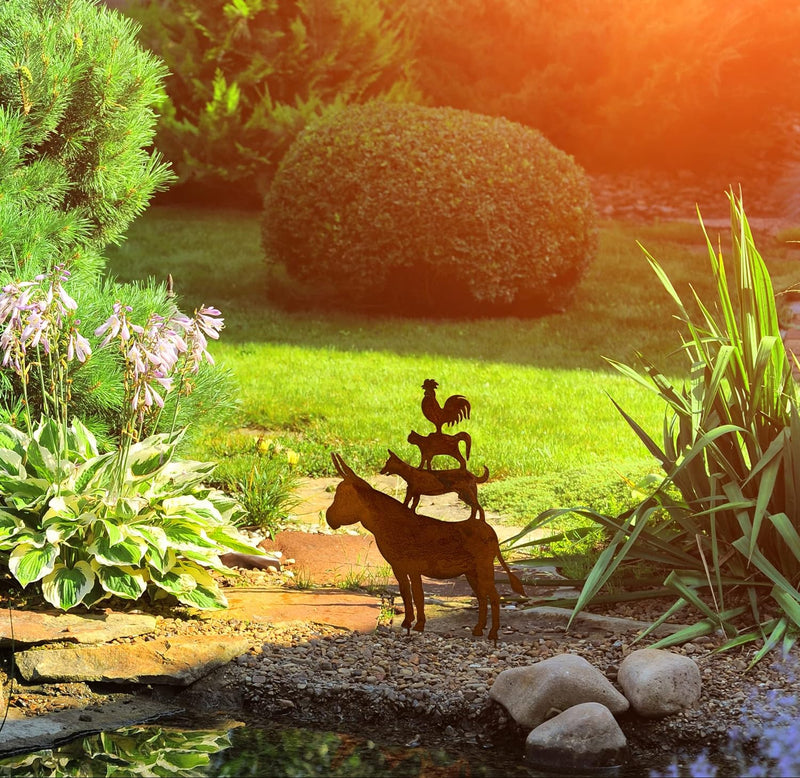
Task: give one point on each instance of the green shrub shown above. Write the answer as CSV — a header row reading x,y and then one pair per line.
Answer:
x,y
246,76
76,124
425,210
261,474
86,526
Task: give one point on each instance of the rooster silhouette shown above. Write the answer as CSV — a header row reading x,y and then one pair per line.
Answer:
x,y
456,407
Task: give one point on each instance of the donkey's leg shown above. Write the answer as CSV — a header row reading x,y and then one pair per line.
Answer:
x,y
474,582
419,600
405,593
494,599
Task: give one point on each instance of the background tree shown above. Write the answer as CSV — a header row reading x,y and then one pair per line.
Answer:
x,y
77,97
77,120
247,75
622,83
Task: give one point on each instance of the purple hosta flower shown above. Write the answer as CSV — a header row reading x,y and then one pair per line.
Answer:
x,y
210,321
14,299
144,398
77,346
206,322
115,325
11,350
135,357
36,330
56,304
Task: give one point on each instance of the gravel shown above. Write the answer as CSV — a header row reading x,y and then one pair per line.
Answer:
x,y
433,689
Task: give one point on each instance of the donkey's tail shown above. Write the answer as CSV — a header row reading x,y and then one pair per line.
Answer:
x,y
516,584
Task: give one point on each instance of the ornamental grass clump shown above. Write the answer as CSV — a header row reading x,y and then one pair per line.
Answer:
x,y
724,518
87,524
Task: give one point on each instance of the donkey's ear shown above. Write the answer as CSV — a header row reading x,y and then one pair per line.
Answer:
x,y
341,468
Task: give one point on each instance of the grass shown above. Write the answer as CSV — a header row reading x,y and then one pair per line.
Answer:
x,y
542,419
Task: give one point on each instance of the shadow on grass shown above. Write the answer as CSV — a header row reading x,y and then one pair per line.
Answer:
x,y
619,308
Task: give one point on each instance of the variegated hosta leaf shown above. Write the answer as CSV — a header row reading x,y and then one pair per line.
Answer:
x,y
29,563
122,581
185,536
11,527
229,509
184,475
46,463
150,455
91,475
204,598
61,506
177,581
127,552
81,440
187,505
65,587
11,463
30,494
205,595
230,538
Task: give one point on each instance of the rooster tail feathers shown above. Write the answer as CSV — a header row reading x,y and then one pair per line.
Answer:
x,y
456,408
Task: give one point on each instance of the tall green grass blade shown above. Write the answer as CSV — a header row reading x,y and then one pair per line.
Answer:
x,y
671,611
675,581
766,567
687,634
649,443
787,531
777,629
789,604
707,626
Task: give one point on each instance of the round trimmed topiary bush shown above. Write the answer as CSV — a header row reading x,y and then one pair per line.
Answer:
x,y
434,211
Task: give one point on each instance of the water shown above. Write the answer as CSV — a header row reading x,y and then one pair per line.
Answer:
x,y
264,750
184,747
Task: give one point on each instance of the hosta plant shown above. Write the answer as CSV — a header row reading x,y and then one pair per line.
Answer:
x,y
88,524
69,522
725,519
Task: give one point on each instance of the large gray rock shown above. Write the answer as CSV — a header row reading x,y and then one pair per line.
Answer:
x,y
32,627
583,737
537,692
659,683
173,661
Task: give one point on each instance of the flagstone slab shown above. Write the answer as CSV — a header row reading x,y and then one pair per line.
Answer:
x,y
171,661
43,732
31,627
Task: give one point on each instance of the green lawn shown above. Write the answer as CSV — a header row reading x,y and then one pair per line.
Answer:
x,y
541,419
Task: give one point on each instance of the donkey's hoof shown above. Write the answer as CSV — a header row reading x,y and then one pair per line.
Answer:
x,y
478,631
492,635
419,626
